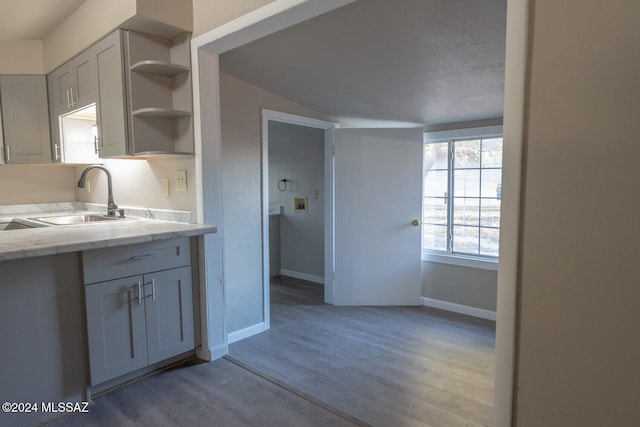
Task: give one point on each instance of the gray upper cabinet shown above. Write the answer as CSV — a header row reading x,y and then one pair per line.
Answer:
x,y
25,119
141,88
84,70
87,104
72,85
111,108
73,93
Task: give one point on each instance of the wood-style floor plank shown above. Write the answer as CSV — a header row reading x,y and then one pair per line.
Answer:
x,y
383,365
218,393
321,365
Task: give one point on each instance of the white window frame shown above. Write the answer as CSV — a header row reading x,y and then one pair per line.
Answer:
x,y
481,262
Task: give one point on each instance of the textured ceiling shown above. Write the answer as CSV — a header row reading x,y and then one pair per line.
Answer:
x,y
33,19
424,62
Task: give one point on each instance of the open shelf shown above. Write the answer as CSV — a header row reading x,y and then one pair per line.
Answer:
x,y
166,113
163,68
159,95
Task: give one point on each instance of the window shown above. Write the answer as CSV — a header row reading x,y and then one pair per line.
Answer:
x,y
462,188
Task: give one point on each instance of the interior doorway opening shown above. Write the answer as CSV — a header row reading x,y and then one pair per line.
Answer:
x,y
278,15
297,201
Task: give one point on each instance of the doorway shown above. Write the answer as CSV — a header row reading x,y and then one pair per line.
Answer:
x,y
297,200
206,49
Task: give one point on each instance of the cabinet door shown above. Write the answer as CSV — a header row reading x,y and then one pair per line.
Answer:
x,y
53,90
85,84
25,119
115,328
169,313
111,108
60,84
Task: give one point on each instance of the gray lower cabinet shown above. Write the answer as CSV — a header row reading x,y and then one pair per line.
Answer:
x,y
116,328
25,119
42,350
139,320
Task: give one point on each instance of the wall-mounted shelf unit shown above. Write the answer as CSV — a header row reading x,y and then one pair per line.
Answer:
x,y
160,112
159,94
162,68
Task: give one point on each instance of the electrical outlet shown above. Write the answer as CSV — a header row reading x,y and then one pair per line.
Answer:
x,y
165,187
181,180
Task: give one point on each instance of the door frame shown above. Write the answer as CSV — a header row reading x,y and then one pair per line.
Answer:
x,y
280,14
327,126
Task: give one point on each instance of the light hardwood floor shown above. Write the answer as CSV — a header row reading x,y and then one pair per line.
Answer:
x,y
321,365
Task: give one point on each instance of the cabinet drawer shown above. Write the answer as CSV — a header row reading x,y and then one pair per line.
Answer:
x,y
112,263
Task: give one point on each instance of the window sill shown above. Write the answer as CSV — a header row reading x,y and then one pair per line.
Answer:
x,y
461,260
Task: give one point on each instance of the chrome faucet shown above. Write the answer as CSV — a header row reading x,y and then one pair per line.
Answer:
x,y
112,208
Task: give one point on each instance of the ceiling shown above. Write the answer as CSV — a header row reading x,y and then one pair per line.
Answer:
x,y
33,19
401,62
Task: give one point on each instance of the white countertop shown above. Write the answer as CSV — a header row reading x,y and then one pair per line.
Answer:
x,y
32,242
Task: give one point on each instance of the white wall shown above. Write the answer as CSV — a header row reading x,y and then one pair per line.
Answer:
x,y
21,184
96,18
578,336
138,183
209,14
177,13
241,105
297,154
91,21
21,57
471,287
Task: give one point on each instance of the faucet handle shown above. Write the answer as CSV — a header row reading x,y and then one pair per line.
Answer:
x,y
112,212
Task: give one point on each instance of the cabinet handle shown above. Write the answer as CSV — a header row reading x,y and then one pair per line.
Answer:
x,y
95,144
68,102
72,101
57,151
8,149
141,257
153,289
139,292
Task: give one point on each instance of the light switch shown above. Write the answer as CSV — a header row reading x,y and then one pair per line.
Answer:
x,y
165,187
181,180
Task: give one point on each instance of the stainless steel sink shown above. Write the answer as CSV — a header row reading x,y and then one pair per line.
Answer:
x,y
13,225
75,219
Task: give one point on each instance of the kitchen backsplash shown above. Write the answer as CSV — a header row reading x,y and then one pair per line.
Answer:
x,y
159,214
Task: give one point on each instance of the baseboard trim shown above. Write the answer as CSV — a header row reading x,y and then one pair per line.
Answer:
x,y
219,352
302,276
246,332
458,308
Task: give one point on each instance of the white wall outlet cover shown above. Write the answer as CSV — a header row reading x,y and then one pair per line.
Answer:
x,y
181,180
165,187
